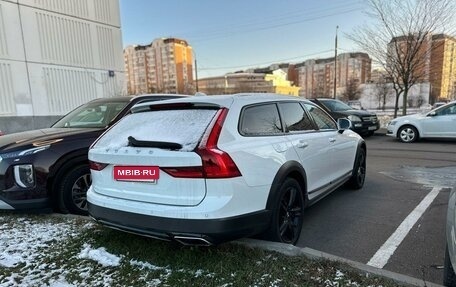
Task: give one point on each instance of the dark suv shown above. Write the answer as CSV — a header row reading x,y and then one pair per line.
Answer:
x,y
364,122
48,168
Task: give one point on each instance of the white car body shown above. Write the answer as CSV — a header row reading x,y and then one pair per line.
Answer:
x,y
437,123
203,210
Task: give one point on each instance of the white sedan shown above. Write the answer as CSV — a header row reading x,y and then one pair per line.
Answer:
x,y
437,123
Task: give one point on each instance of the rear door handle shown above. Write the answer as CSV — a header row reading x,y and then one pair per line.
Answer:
x,y
332,140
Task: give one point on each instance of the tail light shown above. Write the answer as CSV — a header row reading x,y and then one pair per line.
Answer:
x,y
216,163
97,165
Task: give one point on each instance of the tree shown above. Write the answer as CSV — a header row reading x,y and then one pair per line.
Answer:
x,y
400,38
382,92
352,90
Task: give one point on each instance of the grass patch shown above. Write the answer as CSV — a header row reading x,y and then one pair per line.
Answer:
x,y
77,252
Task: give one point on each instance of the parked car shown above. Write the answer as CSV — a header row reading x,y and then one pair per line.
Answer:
x,y
205,170
437,123
48,168
364,122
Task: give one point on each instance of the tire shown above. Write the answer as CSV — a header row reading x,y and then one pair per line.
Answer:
x,y
449,277
407,134
287,213
358,176
72,190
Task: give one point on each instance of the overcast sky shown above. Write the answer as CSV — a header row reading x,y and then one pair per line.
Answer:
x,y
232,35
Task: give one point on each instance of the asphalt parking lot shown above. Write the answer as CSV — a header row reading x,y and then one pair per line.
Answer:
x,y
397,221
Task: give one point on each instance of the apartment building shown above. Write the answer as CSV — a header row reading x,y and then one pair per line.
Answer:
x,y
316,76
435,65
165,65
272,82
54,56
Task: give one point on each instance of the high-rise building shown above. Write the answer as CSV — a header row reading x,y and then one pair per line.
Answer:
x,y
316,76
435,63
54,56
165,65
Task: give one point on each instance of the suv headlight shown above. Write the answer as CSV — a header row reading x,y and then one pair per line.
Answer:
x,y
392,123
20,153
354,118
24,175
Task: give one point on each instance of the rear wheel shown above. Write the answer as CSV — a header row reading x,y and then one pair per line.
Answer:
x,y
407,134
359,170
287,214
73,190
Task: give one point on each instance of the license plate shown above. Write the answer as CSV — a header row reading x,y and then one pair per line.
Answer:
x,y
372,128
137,173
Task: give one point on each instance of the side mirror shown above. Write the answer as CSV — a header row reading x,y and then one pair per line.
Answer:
x,y
432,114
343,124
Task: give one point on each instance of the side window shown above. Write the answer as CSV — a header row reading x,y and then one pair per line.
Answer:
x,y
260,120
451,110
323,121
295,118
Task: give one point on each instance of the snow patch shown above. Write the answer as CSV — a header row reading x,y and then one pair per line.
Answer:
x,y
100,255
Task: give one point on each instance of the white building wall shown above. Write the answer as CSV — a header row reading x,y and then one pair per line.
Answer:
x,y
57,54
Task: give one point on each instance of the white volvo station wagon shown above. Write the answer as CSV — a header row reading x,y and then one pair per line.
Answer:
x,y
209,169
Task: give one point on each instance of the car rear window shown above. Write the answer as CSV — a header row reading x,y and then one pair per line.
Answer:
x,y
184,127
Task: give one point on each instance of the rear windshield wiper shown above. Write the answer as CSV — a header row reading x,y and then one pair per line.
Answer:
x,y
165,145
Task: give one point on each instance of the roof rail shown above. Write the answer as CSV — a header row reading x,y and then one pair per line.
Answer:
x,y
199,94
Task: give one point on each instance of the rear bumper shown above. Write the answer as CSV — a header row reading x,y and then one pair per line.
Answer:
x,y
186,231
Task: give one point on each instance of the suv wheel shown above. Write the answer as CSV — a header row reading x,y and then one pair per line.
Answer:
x,y
449,277
73,190
359,170
287,213
407,134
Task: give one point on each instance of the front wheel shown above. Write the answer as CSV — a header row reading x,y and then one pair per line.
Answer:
x,y
407,134
287,214
359,170
73,190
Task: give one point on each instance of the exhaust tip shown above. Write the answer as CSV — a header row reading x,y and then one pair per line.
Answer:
x,y
192,241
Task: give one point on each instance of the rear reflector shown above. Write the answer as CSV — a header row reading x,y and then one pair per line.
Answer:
x,y
97,165
184,172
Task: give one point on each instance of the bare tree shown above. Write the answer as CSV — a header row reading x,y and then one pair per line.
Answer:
x,y
382,92
352,90
400,38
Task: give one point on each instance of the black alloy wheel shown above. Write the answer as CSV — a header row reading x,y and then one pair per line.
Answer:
x,y
288,213
359,170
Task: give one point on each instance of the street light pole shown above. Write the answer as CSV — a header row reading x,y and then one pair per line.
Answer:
x,y
335,63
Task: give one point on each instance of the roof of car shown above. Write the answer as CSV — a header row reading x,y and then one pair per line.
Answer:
x,y
227,100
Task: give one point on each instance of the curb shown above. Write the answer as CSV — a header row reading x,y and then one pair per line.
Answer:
x,y
291,250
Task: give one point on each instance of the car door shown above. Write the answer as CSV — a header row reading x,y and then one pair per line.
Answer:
x,y
441,124
312,147
340,157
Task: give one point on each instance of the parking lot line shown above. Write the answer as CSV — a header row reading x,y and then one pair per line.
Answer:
x,y
381,257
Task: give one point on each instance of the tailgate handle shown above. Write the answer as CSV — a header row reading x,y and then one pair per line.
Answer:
x,y
332,140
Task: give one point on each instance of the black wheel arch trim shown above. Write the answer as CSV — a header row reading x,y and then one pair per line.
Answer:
x,y
62,165
291,169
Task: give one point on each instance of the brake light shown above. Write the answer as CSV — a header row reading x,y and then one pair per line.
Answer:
x,y
184,172
97,165
216,163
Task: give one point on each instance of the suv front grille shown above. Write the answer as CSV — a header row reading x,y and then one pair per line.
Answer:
x,y
370,119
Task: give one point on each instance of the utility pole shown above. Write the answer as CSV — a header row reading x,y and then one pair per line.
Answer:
x,y
335,63
196,75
